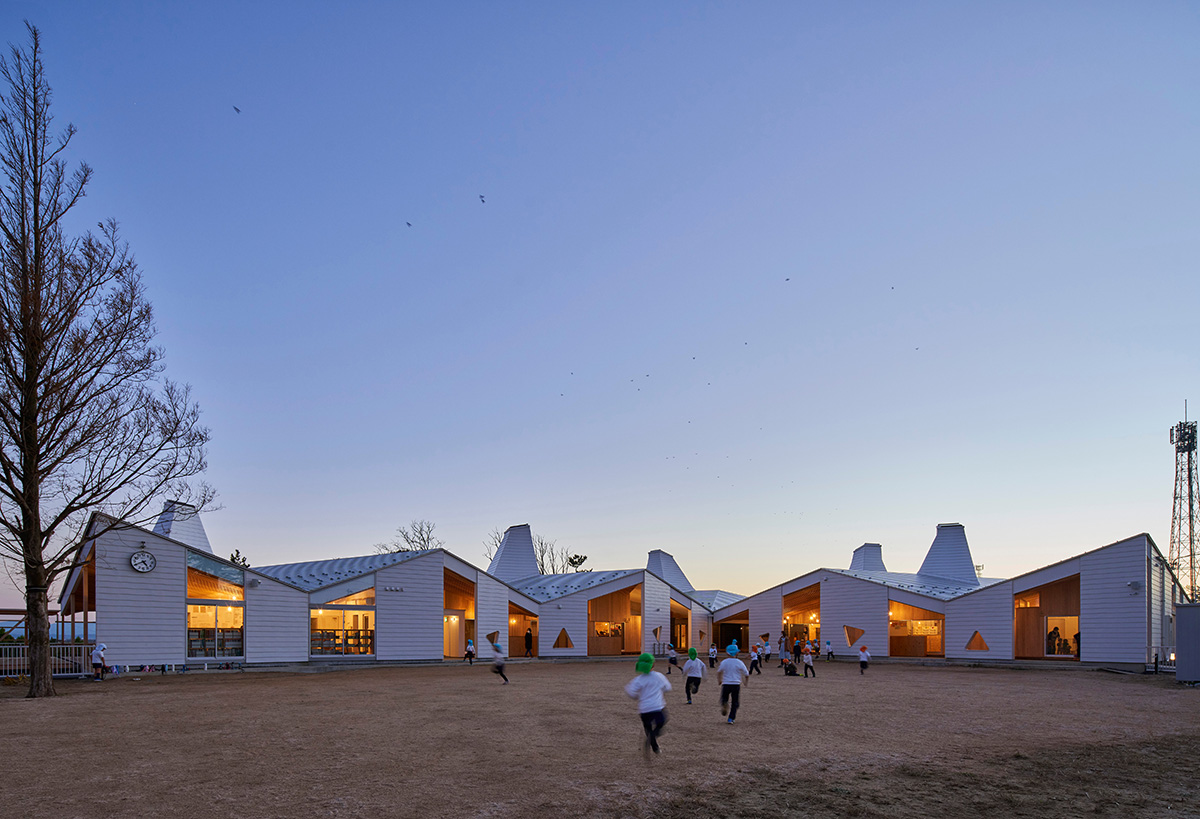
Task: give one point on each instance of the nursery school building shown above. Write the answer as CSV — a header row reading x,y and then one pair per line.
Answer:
x,y
162,597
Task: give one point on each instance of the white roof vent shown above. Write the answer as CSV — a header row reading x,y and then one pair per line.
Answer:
x,y
868,558
181,521
949,556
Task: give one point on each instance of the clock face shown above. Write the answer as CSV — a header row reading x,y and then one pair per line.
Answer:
x,y
142,561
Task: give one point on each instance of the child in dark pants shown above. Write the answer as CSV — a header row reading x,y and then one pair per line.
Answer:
x,y
731,673
498,662
648,688
693,671
864,657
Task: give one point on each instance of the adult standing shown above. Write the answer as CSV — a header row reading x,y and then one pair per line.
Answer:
x,y
529,642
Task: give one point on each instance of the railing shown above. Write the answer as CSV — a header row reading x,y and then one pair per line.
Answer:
x,y
326,642
1165,658
65,659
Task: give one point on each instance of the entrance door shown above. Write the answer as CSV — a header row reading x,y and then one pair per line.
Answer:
x,y
454,632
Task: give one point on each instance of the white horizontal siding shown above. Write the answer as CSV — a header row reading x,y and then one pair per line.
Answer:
x,y
1049,574
141,616
990,612
848,601
918,600
277,622
461,567
409,623
701,622
1112,612
571,612
491,612
766,616
656,612
802,582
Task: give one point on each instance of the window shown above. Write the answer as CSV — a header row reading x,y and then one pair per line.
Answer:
x,y
209,579
215,631
1062,636
338,628
216,614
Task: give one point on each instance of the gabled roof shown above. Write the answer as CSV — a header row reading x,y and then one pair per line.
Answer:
x,y
940,588
316,574
713,599
545,587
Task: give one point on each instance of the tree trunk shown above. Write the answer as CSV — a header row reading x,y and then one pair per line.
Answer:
x,y
37,634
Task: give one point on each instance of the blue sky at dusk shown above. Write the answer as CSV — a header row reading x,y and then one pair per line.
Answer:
x,y
750,283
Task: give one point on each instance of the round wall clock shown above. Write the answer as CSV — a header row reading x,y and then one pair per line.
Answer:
x,y
142,561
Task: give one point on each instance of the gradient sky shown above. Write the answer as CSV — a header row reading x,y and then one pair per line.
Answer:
x,y
753,283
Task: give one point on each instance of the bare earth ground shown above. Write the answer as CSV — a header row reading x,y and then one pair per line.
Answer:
x,y
563,739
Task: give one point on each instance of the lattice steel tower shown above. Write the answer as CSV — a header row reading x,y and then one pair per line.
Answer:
x,y
1185,526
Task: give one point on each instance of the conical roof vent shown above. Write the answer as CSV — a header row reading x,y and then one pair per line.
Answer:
x,y
949,556
181,521
514,559
663,565
868,558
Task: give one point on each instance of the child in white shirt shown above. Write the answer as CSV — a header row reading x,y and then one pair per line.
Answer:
x,y
712,655
693,671
672,657
864,657
731,673
648,688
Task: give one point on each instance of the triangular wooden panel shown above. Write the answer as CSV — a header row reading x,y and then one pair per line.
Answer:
x,y
764,637
852,634
564,640
657,632
976,643
493,637
702,636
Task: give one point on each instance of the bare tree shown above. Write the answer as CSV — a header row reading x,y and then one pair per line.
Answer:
x,y
416,537
88,423
491,543
554,559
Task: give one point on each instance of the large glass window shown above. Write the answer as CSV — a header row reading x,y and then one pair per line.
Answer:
x,y
1062,636
342,630
209,579
216,614
215,631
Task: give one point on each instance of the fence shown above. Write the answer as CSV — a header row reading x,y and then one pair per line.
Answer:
x,y
1163,656
65,659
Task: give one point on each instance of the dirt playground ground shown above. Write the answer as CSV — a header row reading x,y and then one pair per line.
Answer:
x,y
563,740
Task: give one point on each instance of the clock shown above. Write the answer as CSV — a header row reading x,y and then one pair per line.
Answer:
x,y
142,561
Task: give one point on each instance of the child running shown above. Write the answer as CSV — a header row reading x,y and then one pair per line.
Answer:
x,y
807,656
712,655
731,673
672,657
498,662
693,671
755,665
470,654
648,688
864,657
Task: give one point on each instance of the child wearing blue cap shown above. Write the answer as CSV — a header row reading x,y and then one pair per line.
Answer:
x,y
648,688
498,662
732,673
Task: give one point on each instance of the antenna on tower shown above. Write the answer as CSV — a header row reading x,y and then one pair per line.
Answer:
x,y
1185,523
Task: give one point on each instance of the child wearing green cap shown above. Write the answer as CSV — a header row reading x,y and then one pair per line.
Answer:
x,y
731,673
649,688
693,671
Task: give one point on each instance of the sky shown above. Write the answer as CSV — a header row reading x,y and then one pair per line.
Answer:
x,y
753,283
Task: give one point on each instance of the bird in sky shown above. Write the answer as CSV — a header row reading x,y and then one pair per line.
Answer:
x,y
482,201
235,108
408,223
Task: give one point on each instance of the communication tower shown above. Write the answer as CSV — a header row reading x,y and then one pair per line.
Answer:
x,y
1185,525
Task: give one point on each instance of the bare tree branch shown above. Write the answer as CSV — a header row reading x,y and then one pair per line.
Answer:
x,y
416,537
88,423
